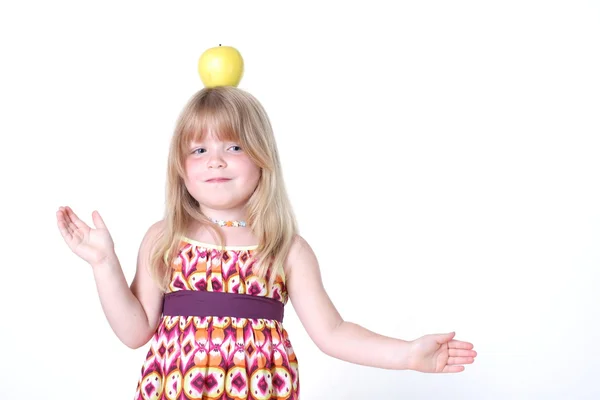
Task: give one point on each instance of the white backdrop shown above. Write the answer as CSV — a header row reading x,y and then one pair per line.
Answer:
x,y
442,158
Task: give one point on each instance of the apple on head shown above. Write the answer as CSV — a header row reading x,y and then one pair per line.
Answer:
x,y
221,66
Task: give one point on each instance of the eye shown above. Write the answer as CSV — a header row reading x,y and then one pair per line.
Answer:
x,y
236,148
199,150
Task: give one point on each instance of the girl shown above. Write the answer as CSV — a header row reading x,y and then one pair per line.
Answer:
x,y
214,275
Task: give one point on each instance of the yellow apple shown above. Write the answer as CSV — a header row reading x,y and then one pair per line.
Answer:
x,y
221,66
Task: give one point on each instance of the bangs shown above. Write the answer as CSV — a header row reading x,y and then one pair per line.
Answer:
x,y
209,120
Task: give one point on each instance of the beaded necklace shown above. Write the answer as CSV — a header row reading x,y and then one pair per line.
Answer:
x,y
234,223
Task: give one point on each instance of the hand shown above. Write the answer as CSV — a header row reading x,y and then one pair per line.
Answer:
x,y
92,245
439,353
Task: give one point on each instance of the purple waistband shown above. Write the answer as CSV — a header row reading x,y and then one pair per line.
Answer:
x,y
219,304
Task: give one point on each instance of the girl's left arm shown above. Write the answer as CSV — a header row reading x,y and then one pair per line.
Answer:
x,y
353,343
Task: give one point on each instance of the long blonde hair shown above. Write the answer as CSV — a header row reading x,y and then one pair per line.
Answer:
x,y
232,114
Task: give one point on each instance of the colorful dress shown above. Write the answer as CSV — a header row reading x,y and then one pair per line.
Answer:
x,y
219,356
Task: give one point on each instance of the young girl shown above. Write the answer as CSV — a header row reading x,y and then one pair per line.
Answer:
x,y
214,275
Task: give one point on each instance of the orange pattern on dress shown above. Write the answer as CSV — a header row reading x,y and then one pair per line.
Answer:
x,y
219,357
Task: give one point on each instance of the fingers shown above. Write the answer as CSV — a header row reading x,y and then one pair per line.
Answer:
x,y
456,364
69,224
445,337
448,338
460,360
74,220
457,344
453,368
462,353
63,226
98,221
461,356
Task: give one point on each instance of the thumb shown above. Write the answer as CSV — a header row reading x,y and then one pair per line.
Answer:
x,y
98,221
445,337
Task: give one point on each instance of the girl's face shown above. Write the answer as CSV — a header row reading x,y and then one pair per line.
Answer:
x,y
220,176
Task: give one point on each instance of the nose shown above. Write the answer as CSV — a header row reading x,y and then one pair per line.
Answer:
x,y
216,161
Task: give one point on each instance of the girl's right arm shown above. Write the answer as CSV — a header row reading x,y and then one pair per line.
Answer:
x,y
132,312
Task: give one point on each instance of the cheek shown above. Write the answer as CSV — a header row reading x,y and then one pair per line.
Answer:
x,y
256,174
192,169
187,166
253,171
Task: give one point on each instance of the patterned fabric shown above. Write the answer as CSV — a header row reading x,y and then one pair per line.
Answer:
x,y
219,357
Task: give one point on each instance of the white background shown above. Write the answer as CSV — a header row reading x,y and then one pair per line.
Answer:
x,y
442,158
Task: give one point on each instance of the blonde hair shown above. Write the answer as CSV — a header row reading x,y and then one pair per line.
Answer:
x,y
232,114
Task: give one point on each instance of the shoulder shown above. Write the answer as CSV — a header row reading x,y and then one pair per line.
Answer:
x,y
299,247
153,233
151,244
300,254
157,227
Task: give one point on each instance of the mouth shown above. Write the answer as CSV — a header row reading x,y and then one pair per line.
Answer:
x,y
217,180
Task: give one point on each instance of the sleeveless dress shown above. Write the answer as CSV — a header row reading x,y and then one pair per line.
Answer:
x,y
219,356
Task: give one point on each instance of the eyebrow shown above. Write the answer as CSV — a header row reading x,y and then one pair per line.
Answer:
x,y
193,145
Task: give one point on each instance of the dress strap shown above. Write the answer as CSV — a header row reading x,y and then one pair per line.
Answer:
x,y
199,303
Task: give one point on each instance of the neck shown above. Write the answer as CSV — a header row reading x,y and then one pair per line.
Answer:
x,y
225,215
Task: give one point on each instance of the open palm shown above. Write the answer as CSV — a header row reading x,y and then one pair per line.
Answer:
x,y
92,245
439,353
